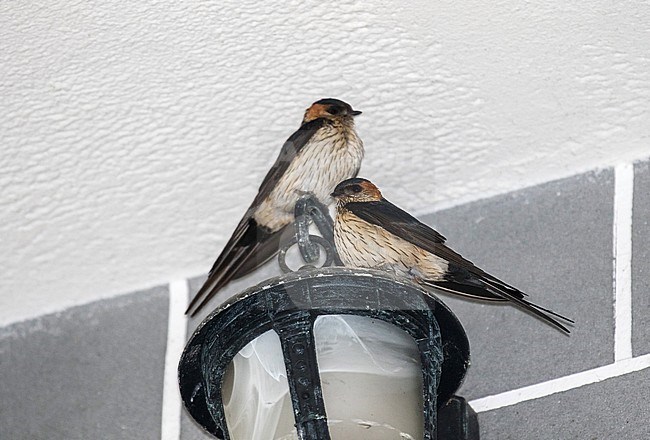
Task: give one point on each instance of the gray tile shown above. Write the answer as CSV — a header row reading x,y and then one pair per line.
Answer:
x,y
553,241
615,408
641,260
90,372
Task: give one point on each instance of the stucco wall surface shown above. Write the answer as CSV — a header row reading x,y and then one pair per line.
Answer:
x,y
134,134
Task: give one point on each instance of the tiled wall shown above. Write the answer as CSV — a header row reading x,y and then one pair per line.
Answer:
x,y
97,371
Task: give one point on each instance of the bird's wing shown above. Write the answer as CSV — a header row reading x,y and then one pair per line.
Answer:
x,y
251,245
256,248
463,277
289,151
400,223
471,287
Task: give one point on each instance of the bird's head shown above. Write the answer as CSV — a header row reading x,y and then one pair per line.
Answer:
x,y
356,190
330,108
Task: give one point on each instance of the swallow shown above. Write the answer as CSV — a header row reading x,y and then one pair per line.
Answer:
x,y
323,151
371,232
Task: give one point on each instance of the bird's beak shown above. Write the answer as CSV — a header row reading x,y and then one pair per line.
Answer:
x,y
335,194
355,112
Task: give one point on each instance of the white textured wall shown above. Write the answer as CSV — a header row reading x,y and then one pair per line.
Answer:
x,y
134,133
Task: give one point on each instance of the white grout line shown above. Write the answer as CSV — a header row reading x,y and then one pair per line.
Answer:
x,y
561,384
176,334
623,196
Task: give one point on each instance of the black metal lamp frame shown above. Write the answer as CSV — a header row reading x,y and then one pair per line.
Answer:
x,y
290,304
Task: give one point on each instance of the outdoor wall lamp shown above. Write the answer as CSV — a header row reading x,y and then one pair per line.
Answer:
x,y
291,304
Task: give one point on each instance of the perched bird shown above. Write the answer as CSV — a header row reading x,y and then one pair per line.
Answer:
x,y
371,232
323,151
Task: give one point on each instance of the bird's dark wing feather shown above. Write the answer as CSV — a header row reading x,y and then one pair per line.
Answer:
x,y
395,220
472,289
241,260
251,245
402,224
462,276
289,151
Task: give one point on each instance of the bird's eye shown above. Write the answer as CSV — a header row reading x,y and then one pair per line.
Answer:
x,y
356,188
333,110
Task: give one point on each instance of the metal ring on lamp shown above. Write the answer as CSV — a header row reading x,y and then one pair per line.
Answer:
x,y
320,241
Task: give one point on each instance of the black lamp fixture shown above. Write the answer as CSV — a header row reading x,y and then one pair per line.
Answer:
x,y
290,305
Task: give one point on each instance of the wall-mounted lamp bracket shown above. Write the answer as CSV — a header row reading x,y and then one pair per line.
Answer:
x,y
309,209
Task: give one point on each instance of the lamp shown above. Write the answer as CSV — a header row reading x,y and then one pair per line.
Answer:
x,y
291,305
